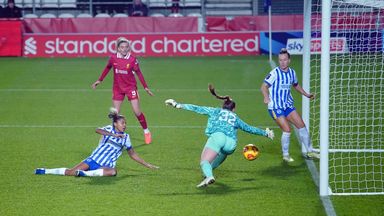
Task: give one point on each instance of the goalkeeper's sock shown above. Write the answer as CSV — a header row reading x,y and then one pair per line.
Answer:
x,y
304,138
220,158
285,143
98,172
143,122
206,168
56,171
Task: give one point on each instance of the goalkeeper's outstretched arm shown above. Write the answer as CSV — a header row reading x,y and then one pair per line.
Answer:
x,y
254,130
191,107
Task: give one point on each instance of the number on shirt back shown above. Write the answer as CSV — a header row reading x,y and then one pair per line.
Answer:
x,y
227,116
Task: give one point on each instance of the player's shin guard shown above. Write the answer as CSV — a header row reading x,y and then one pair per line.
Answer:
x,y
220,158
304,138
56,171
98,172
206,168
143,122
285,143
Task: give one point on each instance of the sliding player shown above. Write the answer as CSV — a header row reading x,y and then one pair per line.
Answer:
x,y
102,161
276,90
125,66
221,131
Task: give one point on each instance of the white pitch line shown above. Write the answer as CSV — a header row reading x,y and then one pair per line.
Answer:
x,y
128,126
109,90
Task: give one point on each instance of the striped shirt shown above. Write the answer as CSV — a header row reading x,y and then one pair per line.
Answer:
x,y
222,120
110,148
280,83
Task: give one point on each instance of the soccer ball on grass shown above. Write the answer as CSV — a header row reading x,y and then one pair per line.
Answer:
x,y
250,152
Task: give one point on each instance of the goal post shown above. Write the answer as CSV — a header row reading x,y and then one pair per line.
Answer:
x,y
346,73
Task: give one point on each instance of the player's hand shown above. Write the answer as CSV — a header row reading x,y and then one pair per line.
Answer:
x,y
149,91
311,96
151,166
266,100
171,102
95,84
270,133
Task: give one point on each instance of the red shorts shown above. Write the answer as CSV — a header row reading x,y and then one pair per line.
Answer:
x,y
131,95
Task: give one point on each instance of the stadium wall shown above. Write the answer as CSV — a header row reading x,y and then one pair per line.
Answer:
x,y
89,37
10,38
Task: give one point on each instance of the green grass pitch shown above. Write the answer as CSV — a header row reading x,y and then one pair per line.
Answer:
x,y
48,119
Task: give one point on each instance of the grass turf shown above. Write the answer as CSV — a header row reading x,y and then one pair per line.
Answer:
x,y
48,117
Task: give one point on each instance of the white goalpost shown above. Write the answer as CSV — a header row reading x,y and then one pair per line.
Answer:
x,y
343,65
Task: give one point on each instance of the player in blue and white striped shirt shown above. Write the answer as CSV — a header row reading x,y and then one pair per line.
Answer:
x,y
102,161
276,90
221,131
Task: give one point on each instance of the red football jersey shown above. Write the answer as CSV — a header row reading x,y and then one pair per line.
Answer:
x,y
124,70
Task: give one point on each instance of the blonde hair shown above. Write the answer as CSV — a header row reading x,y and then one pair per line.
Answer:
x,y
121,40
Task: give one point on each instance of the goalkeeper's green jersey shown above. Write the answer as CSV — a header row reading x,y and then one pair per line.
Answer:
x,y
223,120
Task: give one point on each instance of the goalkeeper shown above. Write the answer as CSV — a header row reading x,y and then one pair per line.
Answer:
x,y
221,131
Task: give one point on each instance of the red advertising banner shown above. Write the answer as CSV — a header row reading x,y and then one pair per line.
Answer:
x,y
193,44
10,38
254,23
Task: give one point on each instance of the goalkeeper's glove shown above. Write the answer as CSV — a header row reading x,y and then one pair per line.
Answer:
x,y
171,102
270,133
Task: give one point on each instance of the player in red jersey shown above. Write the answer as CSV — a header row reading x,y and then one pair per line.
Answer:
x,y
125,66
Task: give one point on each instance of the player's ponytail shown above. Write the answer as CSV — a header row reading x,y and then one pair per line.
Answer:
x,y
229,104
114,115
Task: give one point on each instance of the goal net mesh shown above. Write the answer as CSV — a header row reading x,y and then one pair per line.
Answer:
x,y
356,88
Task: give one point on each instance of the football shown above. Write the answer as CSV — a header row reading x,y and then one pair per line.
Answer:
x,y
250,152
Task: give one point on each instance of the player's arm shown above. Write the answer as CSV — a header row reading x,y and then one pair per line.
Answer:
x,y
191,107
103,74
268,81
132,154
138,73
300,89
265,90
108,133
254,130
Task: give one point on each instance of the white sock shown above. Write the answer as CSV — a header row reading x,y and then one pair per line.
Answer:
x,y
304,138
146,130
285,143
98,172
56,171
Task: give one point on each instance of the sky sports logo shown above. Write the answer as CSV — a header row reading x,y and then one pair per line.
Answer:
x,y
295,46
148,45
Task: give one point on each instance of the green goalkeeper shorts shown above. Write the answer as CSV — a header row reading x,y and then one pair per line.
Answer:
x,y
219,142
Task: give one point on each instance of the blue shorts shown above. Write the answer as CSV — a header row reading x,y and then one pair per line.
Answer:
x,y
219,142
276,113
92,164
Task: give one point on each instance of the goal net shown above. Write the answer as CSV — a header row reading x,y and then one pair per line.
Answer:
x,y
356,89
